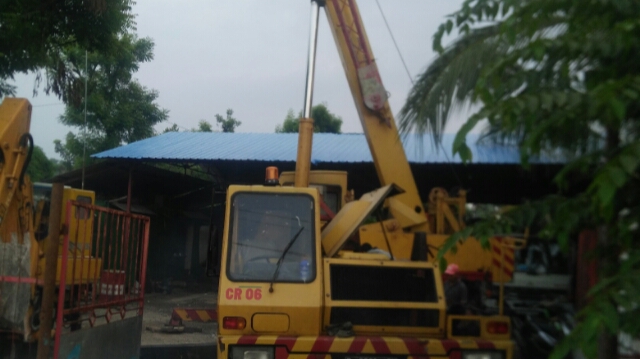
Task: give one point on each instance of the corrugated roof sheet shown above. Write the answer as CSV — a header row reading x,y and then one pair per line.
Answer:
x,y
349,148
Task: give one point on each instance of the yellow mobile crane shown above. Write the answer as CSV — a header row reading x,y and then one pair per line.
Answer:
x,y
288,290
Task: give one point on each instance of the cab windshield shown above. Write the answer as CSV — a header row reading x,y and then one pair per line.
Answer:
x,y
262,225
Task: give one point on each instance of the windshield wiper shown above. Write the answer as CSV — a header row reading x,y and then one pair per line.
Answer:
x,y
284,253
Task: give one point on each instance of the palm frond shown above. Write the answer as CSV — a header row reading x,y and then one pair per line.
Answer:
x,y
448,82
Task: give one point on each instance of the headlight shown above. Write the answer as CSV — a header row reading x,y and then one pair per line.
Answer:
x,y
482,355
252,352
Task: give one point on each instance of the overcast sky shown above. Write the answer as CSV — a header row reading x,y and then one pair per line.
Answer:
x,y
251,56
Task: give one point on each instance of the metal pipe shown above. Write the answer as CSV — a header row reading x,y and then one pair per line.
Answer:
x,y
303,162
52,243
305,129
84,128
311,60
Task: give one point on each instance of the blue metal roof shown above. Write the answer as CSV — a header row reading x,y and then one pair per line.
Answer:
x,y
272,147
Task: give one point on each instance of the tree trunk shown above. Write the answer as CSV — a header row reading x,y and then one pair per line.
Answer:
x,y
607,342
607,346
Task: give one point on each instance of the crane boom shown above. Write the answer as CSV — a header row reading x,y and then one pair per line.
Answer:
x,y
375,114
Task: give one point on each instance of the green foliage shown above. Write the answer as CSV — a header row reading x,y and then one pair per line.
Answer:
x,y
32,32
119,109
173,128
323,121
52,39
72,149
290,124
6,89
40,167
228,124
559,77
204,126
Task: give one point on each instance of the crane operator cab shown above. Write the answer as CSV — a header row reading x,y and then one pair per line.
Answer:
x,y
270,280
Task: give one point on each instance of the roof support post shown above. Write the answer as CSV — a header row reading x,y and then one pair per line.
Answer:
x,y
52,242
129,186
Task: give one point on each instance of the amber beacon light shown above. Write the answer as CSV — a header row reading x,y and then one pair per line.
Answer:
x,y
271,176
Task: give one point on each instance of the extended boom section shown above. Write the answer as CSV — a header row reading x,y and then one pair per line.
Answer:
x,y
377,120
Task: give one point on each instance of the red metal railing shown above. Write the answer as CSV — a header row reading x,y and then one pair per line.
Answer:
x,y
102,269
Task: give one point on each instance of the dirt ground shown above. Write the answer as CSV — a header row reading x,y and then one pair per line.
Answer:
x,y
157,312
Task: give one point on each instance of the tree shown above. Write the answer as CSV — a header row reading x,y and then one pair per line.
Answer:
x,y
173,128
228,124
119,109
290,124
40,167
72,150
205,126
32,31
559,76
323,121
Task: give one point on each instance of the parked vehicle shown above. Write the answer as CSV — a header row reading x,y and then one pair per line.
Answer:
x,y
290,288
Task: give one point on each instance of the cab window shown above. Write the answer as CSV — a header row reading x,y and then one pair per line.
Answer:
x,y
331,197
262,226
82,212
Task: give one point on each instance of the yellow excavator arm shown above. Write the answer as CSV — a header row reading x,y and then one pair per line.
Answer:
x,y
16,144
17,244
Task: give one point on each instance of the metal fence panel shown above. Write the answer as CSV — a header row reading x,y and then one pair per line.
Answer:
x,y
102,280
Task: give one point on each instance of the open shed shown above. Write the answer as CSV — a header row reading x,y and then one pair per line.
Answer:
x,y
180,180
494,176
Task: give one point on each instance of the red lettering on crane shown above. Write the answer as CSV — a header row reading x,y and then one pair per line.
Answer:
x,y
249,293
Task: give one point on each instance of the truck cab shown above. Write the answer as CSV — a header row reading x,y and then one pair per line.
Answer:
x,y
270,279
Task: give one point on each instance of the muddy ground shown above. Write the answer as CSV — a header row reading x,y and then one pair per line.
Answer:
x,y
157,312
